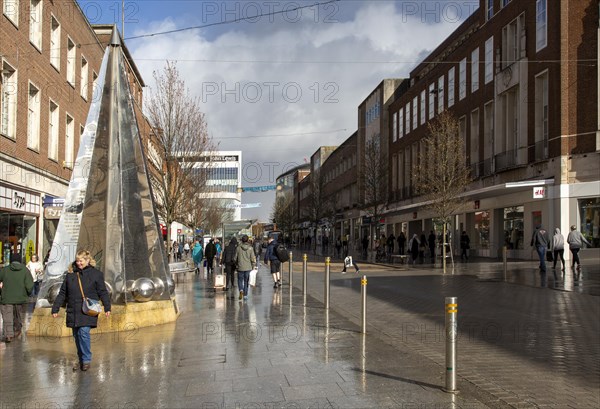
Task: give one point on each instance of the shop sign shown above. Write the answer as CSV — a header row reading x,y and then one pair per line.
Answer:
x,y
52,212
539,192
18,200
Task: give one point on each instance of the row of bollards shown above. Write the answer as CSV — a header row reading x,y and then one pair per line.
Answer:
x,y
451,321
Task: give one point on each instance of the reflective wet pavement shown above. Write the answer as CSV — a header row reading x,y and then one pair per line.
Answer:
x,y
519,346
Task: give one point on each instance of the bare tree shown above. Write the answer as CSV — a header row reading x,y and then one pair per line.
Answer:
x,y
182,133
316,202
441,175
373,177
283,214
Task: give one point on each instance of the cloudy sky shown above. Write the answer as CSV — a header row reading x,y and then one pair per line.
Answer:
x,y
280,85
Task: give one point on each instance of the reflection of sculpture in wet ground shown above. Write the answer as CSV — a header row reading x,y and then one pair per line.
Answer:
x,y
109,209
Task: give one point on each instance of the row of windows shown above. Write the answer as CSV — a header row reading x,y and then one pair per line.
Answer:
x,y
36,16
8,114
424,105
541,19
219,174
373,113
341,167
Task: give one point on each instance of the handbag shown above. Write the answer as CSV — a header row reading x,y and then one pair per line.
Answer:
x,y
89,306
252,278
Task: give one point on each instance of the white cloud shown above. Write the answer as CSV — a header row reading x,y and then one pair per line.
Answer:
x,y
294,79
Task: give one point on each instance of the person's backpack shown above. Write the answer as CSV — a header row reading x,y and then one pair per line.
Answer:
x,y
229,254
282,253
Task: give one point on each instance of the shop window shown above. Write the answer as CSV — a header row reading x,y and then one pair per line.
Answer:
x,y
513,227
482,230
17,235
589,212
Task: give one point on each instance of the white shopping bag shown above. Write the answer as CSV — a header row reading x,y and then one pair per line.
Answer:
x,y
252,280
348,261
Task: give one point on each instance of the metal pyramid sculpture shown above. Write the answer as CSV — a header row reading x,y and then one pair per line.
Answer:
x,y
109,209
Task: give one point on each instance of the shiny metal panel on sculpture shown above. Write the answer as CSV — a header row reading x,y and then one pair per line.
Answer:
x,y
109,208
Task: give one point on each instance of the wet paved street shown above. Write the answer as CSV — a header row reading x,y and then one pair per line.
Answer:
x,y
519,346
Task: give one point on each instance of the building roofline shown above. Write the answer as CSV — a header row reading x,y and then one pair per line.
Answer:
x,y
304,166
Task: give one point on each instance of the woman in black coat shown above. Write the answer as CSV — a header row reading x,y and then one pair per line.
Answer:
x,y
94,287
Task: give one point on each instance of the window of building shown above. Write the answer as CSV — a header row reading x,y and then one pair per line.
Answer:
x,y
451,76
395,127
84,78
489,9
504,3
33,118
489,60
401,123
508,132
475,70
422,121
482,230
55,43
35,23
462,79
541,24
11,10
394,172
511,41
407,117
589,214
71,54
440,94
474,138
8,102
415,113
513,227
488,137
541,116
407,173
69,141
431,92
53,132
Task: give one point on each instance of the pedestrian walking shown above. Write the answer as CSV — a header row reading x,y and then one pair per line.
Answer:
x,y
365,245
210,252
576,241
16,285
422,248
245,260
272,259
82,280
431,242
186,249
197,256
257,245
228,261
401,243
391,244
348,262
338,247
558,247
465,245
540,241
413,247
36,269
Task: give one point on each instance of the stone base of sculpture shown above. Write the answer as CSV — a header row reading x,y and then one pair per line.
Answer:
x,y
129,317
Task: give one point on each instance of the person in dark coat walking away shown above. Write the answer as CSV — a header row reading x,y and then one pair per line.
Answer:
x,y
271,258
541,241
228,260
94,287
257,249
431,242
210,252
16,284
413,247
464,246
422,247
401,243
390,245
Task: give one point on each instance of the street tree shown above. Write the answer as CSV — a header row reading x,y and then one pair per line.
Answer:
x,y
373,177
180,125
283,214
441,175
317,203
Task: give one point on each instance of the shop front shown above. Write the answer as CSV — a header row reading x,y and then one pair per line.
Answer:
x,y
19,221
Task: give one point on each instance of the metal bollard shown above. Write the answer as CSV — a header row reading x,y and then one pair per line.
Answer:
x,y
291,275
451,335
363,306
326,282
304,283
504,257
